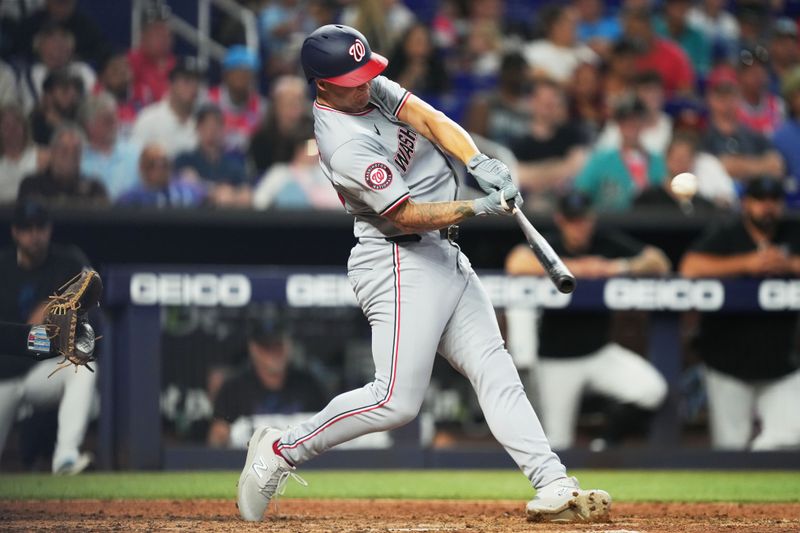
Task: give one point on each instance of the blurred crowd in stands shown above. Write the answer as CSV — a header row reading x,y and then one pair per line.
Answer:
x,y
612,98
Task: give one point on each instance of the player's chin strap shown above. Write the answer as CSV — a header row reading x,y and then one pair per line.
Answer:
x,y
277,486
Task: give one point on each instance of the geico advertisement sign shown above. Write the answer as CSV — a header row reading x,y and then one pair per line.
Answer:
x,y
664,294
319,290
227,290
779,295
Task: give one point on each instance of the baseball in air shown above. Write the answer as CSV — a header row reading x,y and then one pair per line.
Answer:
x,y
684,185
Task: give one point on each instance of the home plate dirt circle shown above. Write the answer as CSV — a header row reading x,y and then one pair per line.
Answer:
x,y
314,516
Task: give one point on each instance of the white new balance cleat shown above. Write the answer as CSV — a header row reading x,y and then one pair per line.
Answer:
x,y
264,476
564,501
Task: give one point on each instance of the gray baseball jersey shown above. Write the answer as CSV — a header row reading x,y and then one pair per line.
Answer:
x,y
376,162
421,297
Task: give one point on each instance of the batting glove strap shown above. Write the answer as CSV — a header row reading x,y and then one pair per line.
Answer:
x,y
491,174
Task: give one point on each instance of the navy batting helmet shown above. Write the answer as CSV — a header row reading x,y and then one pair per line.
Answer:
x,y
341,55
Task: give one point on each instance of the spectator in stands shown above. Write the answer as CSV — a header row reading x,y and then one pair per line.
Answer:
x,y
157,186
587,106
784,52
787,137
89,41
570,364
416,64
61,98
682,156
288,112
612,178
657,128
553,150
269,385
62,181
621,72
557,53
744,153
383,22
718,25
759,110
19,156
658,54
482,52
54,47
153,61
31,271
502,114
595,28
298,184
112,159
675,26
114,77
242,107
170,122
9,89
750,357
221,173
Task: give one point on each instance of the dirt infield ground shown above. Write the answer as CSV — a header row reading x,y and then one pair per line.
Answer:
x,y
313,516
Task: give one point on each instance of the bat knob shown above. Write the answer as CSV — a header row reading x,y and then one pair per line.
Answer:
x,y
566,284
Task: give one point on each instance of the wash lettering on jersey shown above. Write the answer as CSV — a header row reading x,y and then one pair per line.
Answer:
x,y
406,144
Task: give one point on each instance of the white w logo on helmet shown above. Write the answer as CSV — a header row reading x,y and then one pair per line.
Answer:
x,y
357,50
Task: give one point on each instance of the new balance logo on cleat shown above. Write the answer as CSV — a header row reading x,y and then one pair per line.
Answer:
x,y
260,467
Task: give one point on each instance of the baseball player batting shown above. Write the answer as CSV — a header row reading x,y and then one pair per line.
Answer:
x,y
383,149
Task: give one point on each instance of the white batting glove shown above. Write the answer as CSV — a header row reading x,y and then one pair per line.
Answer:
x,y
491,174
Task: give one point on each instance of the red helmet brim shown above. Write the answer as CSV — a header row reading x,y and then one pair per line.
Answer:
x,y
376,64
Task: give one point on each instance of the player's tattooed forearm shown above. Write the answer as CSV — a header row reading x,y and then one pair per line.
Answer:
x,y
435,215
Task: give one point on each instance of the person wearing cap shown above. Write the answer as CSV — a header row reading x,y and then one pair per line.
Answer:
x,y
30,271
613,177
674,25
54,45
657,127
242,107
153,60
784,52
787,137
759,109
657,53
62,93
268,384
384,150
744,153
62,181
751,369
170,121
571,365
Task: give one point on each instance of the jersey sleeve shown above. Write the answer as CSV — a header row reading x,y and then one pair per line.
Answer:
x,y
388,95
363,170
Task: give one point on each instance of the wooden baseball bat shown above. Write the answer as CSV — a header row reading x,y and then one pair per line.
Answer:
x,y
558,272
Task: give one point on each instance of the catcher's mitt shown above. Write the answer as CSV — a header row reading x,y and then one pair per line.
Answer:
x,y
65,319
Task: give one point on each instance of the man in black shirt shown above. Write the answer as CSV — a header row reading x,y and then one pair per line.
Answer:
x,y
752,367
574,361
267,385
553,150
29,273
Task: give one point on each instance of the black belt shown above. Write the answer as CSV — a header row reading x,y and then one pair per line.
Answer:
x,y
450,233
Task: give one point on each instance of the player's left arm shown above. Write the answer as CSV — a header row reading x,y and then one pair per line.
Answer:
x,y
438,128
491,174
